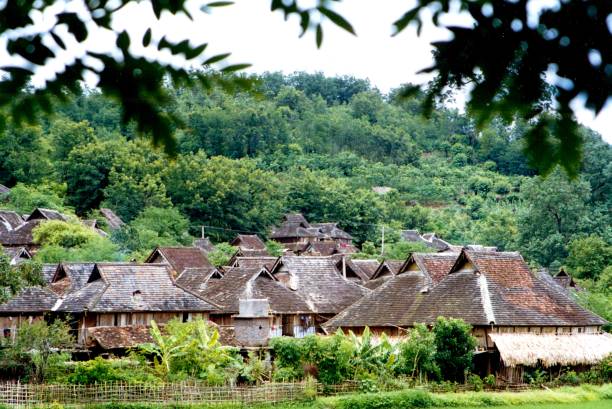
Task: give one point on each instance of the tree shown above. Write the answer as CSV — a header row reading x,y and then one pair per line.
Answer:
x,y
589,256
25,198
69,241
228,194
37,348
454,348
555,211
222,254
152,228
14,278
417,354
505,54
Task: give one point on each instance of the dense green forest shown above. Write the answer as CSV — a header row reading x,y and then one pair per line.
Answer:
x,y
317,145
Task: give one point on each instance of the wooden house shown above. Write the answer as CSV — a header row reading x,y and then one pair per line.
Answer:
x,y
386,270
180,258
109,295
249,245
297,235
318,282
16,231
504,302
258,306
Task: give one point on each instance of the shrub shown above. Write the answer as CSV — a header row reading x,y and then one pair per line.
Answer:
x,y
475,382
569,377
489,380
454,347
417,354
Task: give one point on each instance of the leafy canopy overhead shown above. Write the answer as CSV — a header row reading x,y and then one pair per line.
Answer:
x,y
505,55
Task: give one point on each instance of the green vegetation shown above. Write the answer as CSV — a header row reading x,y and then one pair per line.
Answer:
x,y
443,353
14,278
317,145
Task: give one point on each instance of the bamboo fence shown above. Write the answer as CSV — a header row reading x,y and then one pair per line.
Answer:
x,y
28,395
25,395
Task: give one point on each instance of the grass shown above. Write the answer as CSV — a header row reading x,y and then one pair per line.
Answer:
x,y
600,404
581,397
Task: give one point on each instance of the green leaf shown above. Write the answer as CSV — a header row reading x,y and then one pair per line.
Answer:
x,y
319,35
235,67
337,19
216,58
146,40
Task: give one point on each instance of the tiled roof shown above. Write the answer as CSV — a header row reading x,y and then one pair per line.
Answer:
x,y
114,221
436,265
31,299
180,258
367,267
143,287
255,262
10,220
244,283
248,242
317,281
384,307
296,225
20,236
46,214
120,337
17,254
481,288
204,244
70,277
196,279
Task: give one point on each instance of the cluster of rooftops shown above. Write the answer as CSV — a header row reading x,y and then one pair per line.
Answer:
x,y
109,304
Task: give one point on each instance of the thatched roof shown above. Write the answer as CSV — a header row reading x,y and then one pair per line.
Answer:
x,y
550,350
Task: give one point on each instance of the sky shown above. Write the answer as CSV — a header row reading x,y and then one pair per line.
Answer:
x,y
255,35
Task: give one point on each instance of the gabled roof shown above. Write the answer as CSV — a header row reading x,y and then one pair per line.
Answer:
x,y
385,306
254,262
353,270
296,225
317,281
41,213
386,270
124,287
114,221
482,288
10,220
564,279
248,283
69,277
21,235
328,248
30,299
17,254
196,279
248,242
367,266
510,294
435,265
180,258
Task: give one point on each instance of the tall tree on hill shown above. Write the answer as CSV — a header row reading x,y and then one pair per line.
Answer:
x,y
505,54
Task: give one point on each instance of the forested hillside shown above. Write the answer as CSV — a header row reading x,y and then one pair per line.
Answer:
x,y
316,145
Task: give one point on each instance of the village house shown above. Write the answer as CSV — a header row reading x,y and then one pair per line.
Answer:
x,y
108,300
319,283
386,270
518,319
249,245
299,236
16,231
258,306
